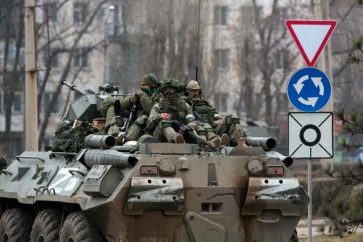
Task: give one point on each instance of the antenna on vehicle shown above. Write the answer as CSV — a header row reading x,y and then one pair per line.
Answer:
x,y
198,37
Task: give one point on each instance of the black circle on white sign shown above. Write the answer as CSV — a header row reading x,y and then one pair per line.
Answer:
x,y
311,129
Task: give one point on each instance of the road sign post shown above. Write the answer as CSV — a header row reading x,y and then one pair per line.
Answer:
x,y
311,137
309,90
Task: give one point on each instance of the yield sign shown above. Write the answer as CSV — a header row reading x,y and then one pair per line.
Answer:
x,y
311,37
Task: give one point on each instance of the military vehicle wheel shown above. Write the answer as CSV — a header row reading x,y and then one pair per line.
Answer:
x,y
294,237
46,226
77,228
15,225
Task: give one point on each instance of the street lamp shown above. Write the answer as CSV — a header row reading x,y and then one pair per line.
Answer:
x,y
106,33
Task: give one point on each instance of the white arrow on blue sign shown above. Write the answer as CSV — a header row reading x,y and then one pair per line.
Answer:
x,y
309,89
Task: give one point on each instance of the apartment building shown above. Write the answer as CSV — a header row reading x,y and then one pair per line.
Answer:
x,y
118,41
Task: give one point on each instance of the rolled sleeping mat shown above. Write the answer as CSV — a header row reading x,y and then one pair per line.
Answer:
x,y
99,141
267,143
109,157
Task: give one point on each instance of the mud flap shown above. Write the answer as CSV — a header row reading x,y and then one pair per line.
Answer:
x,y
272,208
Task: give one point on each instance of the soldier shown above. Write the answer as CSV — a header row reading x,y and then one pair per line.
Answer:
x,y
140,105
143,103
221,126
170,107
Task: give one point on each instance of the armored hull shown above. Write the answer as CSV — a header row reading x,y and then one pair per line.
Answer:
x,y
162,192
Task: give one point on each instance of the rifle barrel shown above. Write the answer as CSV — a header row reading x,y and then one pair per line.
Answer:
x,y
72,87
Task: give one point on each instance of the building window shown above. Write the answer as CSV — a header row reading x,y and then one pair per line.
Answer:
x,y
81,57
2,11
249,15
222,58
17,102
11,53
1,102
220,15
80,10
117,20
48,98
220,101
52,12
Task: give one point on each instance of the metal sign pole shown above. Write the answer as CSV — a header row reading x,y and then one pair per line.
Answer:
x,y
310,207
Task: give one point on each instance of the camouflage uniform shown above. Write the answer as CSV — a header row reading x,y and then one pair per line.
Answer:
x,y
142,100
176,108
69,136
108,111
143,104
229,125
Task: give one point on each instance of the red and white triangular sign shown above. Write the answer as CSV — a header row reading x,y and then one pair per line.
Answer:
x,y
311,36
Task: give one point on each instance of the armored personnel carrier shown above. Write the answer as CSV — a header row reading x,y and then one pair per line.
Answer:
x,y
151,192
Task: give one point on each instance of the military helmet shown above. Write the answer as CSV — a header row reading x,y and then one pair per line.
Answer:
x,y
192,85
150,80
169,82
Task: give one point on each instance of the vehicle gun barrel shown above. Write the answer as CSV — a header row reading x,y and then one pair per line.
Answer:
x,y
72,87
267,143
99,141
108,157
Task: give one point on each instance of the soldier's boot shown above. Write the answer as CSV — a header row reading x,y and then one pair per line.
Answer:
x,y
216,141
235,132
241,142
179,139
225,139
172,136
213,138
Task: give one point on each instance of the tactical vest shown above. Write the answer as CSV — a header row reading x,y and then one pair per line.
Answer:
x,y
204,109
176,110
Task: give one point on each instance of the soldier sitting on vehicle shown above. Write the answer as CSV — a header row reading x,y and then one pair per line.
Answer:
x,y
222,126
139,105
170,108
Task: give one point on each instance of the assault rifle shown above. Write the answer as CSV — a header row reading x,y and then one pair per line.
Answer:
x,y
191,137
131,118
199,117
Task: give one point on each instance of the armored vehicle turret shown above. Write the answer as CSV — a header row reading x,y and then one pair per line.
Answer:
x,y
150,192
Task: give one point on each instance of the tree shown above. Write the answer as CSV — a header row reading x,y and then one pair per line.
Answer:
x,y
345,209
163,42
70,40
272,39
12,65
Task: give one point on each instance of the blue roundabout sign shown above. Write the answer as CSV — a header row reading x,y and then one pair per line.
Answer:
x,y
309,89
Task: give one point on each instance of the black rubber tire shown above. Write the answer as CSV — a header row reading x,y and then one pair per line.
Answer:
x,y
78,228
46,226
294,237
15,225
